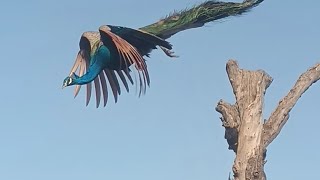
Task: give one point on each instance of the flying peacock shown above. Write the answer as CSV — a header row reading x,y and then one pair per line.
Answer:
x,y
113,53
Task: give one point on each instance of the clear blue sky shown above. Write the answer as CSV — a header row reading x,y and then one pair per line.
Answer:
x,y
171,133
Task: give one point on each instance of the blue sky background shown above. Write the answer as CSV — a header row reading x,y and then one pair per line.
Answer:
x,y
171,133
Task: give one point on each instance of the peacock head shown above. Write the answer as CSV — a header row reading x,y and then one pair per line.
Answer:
x,y
70,80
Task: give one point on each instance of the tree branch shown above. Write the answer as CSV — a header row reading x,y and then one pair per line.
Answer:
x,y
245,117
230,120
281,114
230,114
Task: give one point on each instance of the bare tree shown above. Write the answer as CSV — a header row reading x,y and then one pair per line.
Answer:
x,y
247,134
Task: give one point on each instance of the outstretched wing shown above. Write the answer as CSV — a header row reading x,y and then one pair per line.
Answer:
x,y
127,55
143,41
88,45
130,45
83,60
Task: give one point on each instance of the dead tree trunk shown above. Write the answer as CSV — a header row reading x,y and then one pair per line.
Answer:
x,y
247,134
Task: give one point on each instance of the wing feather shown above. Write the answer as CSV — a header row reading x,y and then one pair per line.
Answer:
x,y
129,54
89,89
128,75
142,40
98,90
89,85
82,68
76,63
112,84
104,88
116,82
141,84
123,79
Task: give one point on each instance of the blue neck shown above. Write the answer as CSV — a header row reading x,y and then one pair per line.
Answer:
x,y
93,72
98,62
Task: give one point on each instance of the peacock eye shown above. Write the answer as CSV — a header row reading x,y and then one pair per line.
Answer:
x,y
70,81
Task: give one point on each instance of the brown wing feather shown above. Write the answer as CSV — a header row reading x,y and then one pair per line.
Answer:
x,y
82,68
74,68
81,64
141,84
76,64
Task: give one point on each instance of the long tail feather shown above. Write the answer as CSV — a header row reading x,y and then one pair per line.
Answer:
x,y
198,16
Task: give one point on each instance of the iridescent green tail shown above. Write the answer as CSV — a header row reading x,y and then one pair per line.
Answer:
x,y
198,16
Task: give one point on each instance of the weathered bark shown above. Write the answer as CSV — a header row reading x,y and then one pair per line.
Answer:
x,y
281,114
246,116
246,132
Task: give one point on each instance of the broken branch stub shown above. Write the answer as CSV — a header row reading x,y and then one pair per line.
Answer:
x,y
230,120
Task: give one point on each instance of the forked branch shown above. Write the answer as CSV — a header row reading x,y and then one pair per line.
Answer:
x,y
281,114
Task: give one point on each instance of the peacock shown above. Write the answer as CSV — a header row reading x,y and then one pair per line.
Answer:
x,y
112,54
117,50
